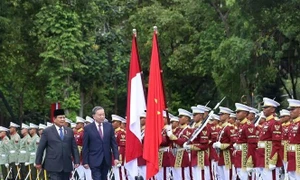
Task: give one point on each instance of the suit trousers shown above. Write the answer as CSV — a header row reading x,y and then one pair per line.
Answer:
x,y
100,172
59,175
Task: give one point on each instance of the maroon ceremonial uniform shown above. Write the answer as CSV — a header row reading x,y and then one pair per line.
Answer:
x,y
269,144
213,156
182,160
120,135
226,141
79,141
294,147
199,149
245,145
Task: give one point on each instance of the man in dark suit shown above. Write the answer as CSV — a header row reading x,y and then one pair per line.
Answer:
x,y
98,143
61,148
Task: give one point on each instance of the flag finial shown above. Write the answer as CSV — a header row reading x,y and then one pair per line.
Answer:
x,y
155,29
134,31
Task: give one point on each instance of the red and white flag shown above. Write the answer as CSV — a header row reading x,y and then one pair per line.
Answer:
x,y
136,105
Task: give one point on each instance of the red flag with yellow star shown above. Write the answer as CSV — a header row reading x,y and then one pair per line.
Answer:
x,y
155,106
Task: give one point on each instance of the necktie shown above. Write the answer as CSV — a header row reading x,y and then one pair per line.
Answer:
x,y
61,134
100,131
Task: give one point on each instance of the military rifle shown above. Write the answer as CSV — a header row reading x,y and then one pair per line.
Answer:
x,y
257,119
203,125
28,174
8,174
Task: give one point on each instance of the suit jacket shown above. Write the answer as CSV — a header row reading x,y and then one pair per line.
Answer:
x,y
59,153
95,149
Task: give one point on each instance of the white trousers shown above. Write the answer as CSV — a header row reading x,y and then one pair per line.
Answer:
x,y
223,173
142,171
164,173
84,173
234,172
181,173
119,173
201,173
268,174
293,175
242,173
213,169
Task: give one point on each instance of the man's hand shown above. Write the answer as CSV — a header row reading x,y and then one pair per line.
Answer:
x,y
38,166
116,162
76,166
272,167
86,166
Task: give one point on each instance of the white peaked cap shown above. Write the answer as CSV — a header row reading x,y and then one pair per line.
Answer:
x,y
183,112
115,117
49,124
79,120
253,110
143,115
215,117
73,125
225,110
11,124
232,115
25,126
197,110
284,112
33,126
270,102
3,129
206,109
242,107
293,103
174,118
89,119
68,120
42,126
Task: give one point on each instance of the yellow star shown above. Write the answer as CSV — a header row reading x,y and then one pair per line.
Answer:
x,y
158,112
155,100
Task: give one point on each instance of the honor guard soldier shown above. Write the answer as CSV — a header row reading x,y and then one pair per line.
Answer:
x,y
213,129
41,129
224,145
13,153
182,165
234,137
73,127
23,155
4,152
269,144
199,148
166,158
174,120
78,135
43,173
246,143
293,159
88,120
140,160
285,118
120,134
34,142
252,114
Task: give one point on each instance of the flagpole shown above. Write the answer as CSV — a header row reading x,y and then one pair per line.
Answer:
x,y
161,71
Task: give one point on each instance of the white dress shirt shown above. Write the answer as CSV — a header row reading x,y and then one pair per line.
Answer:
x,y
101,126
58,131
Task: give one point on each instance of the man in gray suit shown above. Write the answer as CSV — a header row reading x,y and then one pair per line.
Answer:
x,y
61,148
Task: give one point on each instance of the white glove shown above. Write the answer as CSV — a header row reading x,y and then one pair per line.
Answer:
x,y
186,146
27,163
272,167
6,165
169,133
249,170
217,145
168,128
118,165
17,164
234,145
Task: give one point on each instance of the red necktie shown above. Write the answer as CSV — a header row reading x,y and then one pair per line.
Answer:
x,y
100,131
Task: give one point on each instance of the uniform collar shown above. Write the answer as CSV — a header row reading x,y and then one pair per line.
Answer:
x,y
244,121
296,120
118,129
270,117
286,123
183,126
